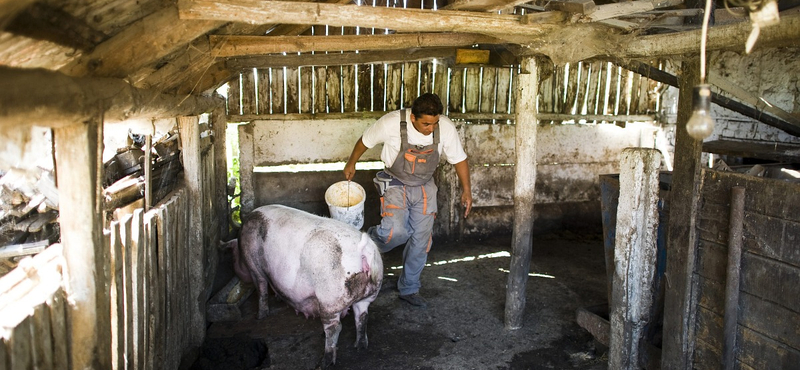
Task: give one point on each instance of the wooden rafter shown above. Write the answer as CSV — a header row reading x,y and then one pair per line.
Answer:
x,y
139,45
390,56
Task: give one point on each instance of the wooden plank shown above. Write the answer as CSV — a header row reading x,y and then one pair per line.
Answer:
x,y
393,86
379,87
364,96
349,88
595,79
557,94
426,77
472,90
58,330
249,92
488,90
306,89
333,85
276,87
410,83
320,93
234,95
572,88
20,348
626,82
680,299
292,75
440,83
137,278
350,58
503,89
117,296
524,195
614,10
152,291
546,91
760,352
613,89
127,278
263,92
456,90
41,338
165,268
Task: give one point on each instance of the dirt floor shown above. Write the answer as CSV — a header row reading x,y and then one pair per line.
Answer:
x,y
462,328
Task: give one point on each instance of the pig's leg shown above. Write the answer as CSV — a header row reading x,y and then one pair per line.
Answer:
x,y
360,312
332,327
262,283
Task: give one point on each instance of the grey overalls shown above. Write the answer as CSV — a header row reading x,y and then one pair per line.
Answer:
x,y
408,206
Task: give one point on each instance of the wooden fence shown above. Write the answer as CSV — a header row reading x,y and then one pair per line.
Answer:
x,y
588,91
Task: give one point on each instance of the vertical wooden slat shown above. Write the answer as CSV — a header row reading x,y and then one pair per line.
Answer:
x,y
441,83
512,95
379,87
4,360
127,278
333,84
246,165
393,86
410,83
58,330
472,89
583,85
42,338
349,88
503,89
164,249
152,290
456,90
426,77
595,81
249,92
234,95
137,252
364,98
546,91
306,89
320,93
117,262
613,89
626,81
488,90
292,75
276,90
20,346
633,103
572,88
264,100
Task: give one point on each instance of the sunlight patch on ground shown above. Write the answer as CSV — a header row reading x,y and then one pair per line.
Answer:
x,y
532,274
463,259
447,278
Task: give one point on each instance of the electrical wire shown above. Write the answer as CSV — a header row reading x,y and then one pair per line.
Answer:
x,y
703,36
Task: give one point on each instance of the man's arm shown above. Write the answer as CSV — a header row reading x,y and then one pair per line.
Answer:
x,y
462,170
358,151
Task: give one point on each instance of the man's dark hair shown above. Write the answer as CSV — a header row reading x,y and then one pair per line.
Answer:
x,y
428,104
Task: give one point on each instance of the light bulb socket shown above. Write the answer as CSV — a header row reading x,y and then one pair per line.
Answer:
x,y
701,98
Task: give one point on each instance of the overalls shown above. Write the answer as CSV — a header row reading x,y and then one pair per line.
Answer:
x,y
408,206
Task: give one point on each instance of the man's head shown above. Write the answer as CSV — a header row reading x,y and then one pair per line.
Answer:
x,y
425,113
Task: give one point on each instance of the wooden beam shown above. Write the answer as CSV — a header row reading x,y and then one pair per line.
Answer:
x,y
234,46
728,37
527,123
584,7
9,10
369,57
614,10
400,19
45,22
70,100
140,44
680,302
483,5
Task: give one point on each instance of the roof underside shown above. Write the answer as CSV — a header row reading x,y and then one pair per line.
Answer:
x,y
194,46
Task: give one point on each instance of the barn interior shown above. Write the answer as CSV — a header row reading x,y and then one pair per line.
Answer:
x,y
634,168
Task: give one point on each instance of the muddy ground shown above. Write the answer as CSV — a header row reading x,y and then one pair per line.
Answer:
x,y
462,328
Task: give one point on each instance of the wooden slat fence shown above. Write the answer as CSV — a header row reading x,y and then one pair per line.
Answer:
x,y
576,92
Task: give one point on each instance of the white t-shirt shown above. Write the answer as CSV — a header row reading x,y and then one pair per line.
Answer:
x,y
386,130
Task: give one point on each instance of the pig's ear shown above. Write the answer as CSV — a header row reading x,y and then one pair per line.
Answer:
x,y
364,241
231,244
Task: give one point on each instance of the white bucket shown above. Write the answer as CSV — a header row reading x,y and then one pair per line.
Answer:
x,y
346,202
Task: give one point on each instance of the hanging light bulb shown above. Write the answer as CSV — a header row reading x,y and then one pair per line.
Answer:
x,y
701,124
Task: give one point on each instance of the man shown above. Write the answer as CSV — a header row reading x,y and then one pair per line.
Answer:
x,y
411,154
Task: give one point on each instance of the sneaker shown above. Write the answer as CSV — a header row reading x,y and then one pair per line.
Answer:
x,y
415,300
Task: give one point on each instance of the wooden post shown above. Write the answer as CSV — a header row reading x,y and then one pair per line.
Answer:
x,y
79,163
148,172
735,241
193,174
680,301
634,255
219,121
524,181
246,158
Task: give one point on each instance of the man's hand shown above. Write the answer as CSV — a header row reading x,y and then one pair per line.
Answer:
x,y
466,201
349,171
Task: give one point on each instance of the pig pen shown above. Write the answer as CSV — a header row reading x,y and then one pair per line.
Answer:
x,y
462,328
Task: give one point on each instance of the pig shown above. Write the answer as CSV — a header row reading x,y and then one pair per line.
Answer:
x,y
319,266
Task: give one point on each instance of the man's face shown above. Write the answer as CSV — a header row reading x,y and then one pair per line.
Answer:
x,y
425,124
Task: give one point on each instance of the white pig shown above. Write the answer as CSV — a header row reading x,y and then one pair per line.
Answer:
x,y
319,266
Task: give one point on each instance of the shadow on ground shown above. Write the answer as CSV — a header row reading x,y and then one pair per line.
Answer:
x,y
462,328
